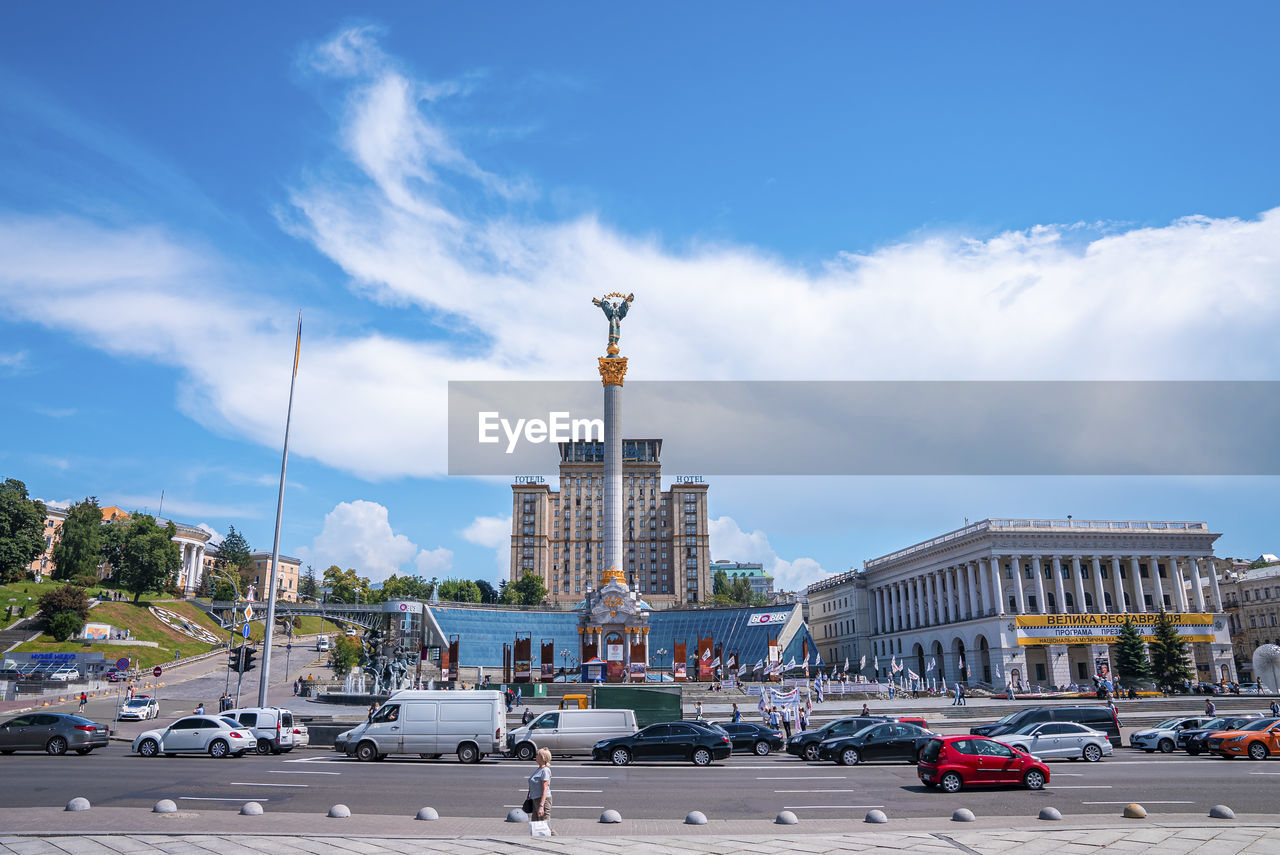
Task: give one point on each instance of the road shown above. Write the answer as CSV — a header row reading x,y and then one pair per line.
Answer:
x,y
742,787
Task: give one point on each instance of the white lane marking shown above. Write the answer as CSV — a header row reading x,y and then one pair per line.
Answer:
x,y
1264,773
300,772
815,791
830,807
1144,801
1083,787
566,807
582,777
257,784
562,790
221,799
798,778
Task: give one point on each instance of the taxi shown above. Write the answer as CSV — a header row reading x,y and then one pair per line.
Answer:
x,y
1256,740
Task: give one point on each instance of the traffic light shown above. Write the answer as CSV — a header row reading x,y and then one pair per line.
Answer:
x,y
249,653
235,659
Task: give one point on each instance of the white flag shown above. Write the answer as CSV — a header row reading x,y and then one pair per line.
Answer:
x,y
912,674
791,664
930,667
817,659
759,664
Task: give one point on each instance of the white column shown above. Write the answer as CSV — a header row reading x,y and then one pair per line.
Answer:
x,y
1157,594
1179,587
944,585
1139,591
921,602
613,488
997,589
1213,585
1038,570
1099,592
972,578
1059,590
1197,584
1077,581
1117,586
899,596
880,613
913,605
1016,562
962,596
932,581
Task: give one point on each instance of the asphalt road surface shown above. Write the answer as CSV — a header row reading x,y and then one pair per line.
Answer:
x,y
742,787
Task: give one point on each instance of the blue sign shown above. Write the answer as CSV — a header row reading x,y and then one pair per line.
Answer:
x,y
53,657
245,633
122,664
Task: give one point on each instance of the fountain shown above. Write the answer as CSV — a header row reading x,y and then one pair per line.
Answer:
x,y
381,671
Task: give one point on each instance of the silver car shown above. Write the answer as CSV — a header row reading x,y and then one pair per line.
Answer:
x,y
1163,737
52,733
197,734
1051,740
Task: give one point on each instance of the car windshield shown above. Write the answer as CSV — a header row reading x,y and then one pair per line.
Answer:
x,y
136,702
1006,719
1168,723
230,721
1028,727
1260,724
1212,723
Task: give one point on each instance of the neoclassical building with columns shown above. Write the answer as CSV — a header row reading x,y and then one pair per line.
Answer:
x,y
1025,600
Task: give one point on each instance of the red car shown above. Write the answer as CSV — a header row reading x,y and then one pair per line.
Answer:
x,y
952,762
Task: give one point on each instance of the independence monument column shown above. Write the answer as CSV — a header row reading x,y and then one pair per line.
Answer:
x,y
612,370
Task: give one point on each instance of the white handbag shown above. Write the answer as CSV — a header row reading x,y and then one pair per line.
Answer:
x,y
539,828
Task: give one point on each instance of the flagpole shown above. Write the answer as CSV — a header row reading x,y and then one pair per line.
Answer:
x,y
264,679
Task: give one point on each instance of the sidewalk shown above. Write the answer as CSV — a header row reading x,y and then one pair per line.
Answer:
x,y
122,831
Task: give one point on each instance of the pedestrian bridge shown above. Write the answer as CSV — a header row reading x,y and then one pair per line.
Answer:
x,y
363,615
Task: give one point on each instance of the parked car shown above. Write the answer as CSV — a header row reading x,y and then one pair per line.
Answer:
x,y
752,737
890,740
301,735
1195,741
953,762
52,733
430,723
196,734
1060,739
272,727
1098,718
913,719
63,674
114,676
323,644
675,740
139,708
1163,737
805,743
1257,740
568,732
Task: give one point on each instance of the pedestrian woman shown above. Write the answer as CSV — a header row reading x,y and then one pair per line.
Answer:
x,y
538,803
737,713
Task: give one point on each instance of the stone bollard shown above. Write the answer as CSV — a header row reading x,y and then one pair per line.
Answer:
x,y
696,817
786,817
78,803
427,814
339,812
255,809
516,815
1049,813
1221,812
610,817
962,815
876,816
165,806
1133,810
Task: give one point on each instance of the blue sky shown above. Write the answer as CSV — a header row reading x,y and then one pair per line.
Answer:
x,y
856,191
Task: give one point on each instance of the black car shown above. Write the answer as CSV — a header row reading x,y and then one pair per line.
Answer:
x,y
755,738
889,740
672,740
1104,719
1195,741
805,743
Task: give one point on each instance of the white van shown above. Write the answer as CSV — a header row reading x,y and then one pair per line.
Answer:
x,y
322,644
431,723
568,732
271,726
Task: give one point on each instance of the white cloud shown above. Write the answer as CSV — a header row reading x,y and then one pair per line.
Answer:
x,y
494,533
179,509
434,562
730,543
13,363
358,535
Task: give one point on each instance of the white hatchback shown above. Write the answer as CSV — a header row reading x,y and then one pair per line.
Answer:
x,y
196,734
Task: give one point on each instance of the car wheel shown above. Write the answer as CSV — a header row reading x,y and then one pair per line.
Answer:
x,y
1258,751
366,751
263,746
701,757
1194,752
1092,753
1149,750
525,751
811,752
950,782
762,748
849,757
1033,780
620,757
240,753
85,750
56,746
468,753
1166,746
170,754
219,749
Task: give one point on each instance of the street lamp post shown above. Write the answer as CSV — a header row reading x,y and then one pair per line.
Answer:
x,y
660,653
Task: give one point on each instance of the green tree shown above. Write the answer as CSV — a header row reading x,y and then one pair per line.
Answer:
x,y
21,530
345,655
719,583
459,591
65,598
237,556
78,551
346,586
528,590
149,560
307,585
406,588
1131,654
488,593
1169,663
64,625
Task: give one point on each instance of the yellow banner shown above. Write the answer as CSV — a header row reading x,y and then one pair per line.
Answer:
x,y
1037,630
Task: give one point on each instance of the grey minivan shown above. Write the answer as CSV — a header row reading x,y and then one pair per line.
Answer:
x,y
568,732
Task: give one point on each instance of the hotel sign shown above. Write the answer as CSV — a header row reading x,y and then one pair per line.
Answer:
x,y
1036,630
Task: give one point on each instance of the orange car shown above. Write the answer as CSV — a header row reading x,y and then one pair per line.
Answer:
x,y
1256,740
